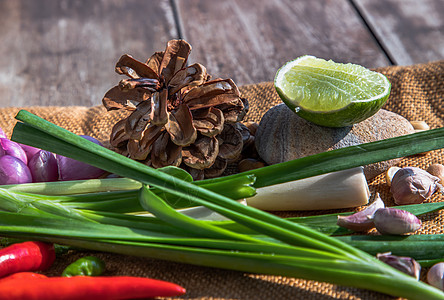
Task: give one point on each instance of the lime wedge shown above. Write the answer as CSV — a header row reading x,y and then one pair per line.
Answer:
x,y
331,94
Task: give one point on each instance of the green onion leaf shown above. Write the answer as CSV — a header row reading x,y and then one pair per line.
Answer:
x,y
290,249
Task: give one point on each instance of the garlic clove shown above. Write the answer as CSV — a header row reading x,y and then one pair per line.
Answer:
x,y
406,265
413,185
435,276
420,125
437,170
390,173
363,220
395,221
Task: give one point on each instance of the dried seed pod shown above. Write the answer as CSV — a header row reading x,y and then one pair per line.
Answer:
x,y
363,220
177,114
248,164
412,185
395,221
252,127
435,276
247,137
230,143
406,265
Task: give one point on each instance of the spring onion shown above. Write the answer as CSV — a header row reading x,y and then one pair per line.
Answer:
x,y
277,246
166,242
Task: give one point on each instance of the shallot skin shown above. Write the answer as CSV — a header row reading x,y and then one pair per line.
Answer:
x,y
2,134
71,169
29,150
43,167
13,171
14,149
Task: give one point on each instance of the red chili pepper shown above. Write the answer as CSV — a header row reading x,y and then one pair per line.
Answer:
x,y
26,256
24,275
86,288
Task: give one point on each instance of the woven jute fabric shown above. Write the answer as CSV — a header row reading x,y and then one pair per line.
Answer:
x,y
417,94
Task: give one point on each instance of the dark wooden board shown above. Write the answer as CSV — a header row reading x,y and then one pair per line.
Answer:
x,y
64,52
411,31
248,40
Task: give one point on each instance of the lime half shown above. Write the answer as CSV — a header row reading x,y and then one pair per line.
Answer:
x,y
331,94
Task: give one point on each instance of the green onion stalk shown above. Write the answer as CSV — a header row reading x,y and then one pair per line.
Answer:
x,y
270,245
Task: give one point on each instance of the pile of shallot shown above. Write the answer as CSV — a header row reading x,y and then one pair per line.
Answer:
x,y
25,164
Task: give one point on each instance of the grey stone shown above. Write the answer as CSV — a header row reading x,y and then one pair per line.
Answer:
x,y
282,136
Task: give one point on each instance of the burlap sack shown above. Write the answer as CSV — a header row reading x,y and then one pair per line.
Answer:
x,y
417,94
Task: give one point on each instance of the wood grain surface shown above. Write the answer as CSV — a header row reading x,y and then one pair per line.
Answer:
x,y
63,52
411,31
248,40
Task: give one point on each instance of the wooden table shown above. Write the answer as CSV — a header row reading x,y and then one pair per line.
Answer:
x,y
64,52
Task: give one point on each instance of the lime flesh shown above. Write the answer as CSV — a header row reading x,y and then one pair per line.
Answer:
x,y
331,94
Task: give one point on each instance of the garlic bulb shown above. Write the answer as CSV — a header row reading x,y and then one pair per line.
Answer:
x,y
412,185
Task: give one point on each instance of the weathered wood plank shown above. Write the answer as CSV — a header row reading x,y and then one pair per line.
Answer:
x,y
248,40
64,52
411,31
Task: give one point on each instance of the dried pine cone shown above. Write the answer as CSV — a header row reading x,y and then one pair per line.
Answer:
x,y
179,116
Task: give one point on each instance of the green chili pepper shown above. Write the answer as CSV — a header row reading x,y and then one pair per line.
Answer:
x,y
85,266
